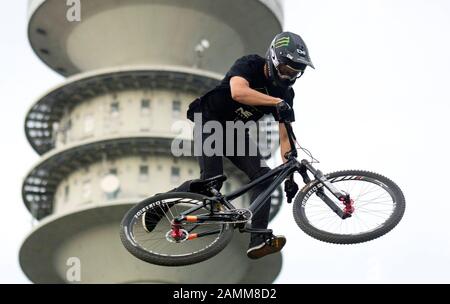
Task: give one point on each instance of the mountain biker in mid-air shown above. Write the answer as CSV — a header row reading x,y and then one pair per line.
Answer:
x,y
254,86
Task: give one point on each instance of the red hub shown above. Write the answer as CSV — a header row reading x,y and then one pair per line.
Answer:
x,y
348,202
176,232
349,209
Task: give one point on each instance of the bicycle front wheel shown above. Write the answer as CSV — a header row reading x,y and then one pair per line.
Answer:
x,y
378,204
146,231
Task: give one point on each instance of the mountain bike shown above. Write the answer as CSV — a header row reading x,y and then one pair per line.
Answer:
x,y
182,228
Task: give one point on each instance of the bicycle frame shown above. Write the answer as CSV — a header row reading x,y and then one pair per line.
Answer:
x,y
278,174
283,171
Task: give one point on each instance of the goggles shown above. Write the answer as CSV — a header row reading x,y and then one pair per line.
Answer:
x,y
288,73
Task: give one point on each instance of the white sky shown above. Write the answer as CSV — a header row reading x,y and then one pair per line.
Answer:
x,y
378,100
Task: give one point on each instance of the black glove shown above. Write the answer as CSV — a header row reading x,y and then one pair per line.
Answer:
x,y
285,112
291,188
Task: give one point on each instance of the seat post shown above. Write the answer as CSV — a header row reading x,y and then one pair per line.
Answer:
x,y
214,191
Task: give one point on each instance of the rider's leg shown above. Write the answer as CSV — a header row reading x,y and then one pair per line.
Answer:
x,y
251,167
210,166
254,166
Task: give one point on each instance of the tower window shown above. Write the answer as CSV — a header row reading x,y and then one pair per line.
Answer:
x,y
143,173
145,106
114,108
176,108
175,175
86,189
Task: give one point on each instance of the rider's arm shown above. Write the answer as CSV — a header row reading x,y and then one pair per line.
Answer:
x,y
241,92
284,141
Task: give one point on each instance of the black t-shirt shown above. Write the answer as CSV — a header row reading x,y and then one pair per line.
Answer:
x,y
218,104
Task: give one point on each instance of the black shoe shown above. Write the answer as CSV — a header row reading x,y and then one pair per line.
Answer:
x,y
261,245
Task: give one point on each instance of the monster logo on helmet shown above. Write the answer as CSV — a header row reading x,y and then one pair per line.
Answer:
x,y
287,59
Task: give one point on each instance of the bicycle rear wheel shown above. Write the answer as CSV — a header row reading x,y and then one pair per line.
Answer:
x,y
378,204
157,246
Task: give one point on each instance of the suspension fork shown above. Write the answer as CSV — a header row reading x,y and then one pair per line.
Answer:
x,y
340,195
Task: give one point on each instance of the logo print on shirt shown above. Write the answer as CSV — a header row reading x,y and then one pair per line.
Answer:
x,y
243,113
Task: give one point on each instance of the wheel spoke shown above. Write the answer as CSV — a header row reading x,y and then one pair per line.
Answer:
x,y
364,194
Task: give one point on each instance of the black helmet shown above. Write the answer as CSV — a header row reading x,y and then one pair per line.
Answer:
x,y
287,58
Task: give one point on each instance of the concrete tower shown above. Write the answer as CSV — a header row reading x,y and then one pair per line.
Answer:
x,y
104,135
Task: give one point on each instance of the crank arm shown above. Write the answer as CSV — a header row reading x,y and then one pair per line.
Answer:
x,y
193,236
203,218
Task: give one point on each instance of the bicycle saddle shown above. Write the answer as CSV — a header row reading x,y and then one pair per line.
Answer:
x,y
200,185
